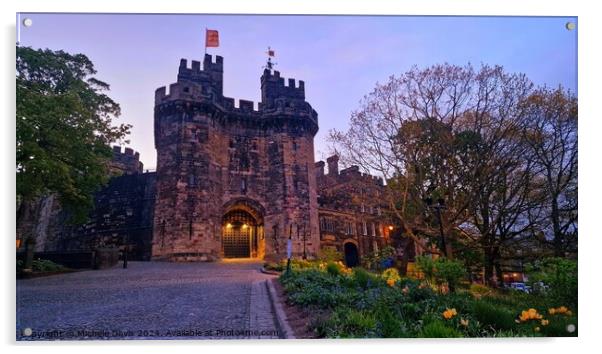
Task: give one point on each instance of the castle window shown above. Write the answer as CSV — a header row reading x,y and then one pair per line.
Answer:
x,y
348,228
364,228
372,229
231,144
244,162
363,208
294,145
191,180
243,186
186,89
327,224
378,211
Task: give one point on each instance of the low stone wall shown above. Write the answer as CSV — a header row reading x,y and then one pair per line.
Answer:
x,y
98,259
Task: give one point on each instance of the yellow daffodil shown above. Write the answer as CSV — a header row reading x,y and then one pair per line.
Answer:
x,y
536,329
449,313
530,314
464,322
545,322
562,310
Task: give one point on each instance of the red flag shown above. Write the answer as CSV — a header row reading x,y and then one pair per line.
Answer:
x,y
271,52
211,38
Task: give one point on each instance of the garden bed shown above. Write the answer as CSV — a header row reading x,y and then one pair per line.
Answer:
x,y
331,301
300,319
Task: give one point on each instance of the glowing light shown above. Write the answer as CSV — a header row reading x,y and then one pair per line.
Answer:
x,y
228,226
390,227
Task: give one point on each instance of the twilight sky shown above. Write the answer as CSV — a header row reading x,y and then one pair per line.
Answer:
x,y
340,58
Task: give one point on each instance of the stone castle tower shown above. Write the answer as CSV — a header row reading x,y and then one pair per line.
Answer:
x,y
233,181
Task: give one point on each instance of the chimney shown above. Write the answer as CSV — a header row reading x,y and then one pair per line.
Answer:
x,y
333,165
320,168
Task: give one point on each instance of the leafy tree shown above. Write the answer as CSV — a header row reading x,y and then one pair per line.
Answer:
x,y
551,134
63,131
449,132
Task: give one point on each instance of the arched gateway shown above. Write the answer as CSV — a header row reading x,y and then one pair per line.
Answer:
x,y
242,229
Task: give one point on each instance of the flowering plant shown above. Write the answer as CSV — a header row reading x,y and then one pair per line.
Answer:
x,y
449,313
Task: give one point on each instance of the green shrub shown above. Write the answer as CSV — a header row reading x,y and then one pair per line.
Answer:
x,y
345,323
494,316
333,269
479,290
438,329
44,265
329,255
560,275
449,271
388,324
426,265
363,278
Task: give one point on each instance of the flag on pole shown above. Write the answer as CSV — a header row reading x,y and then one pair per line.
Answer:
x,y
271,53
211,38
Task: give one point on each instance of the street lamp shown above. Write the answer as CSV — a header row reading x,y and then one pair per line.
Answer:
x,y
289,249
438,207
125,251
304,242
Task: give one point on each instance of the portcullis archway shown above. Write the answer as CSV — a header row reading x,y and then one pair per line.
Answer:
x,y
239,235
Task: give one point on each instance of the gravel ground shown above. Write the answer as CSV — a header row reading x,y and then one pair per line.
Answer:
x,y
149,300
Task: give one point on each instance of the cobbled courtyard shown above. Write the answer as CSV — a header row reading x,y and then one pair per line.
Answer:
x,y
149,300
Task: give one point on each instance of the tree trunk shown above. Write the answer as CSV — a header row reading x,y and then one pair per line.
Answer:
x,y
498,274
558,244
492,268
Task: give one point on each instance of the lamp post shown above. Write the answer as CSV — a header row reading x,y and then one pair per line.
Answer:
x,y
125,251
437,208
304,241
289,248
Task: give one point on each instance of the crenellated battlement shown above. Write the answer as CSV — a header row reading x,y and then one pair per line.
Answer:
x,y
126,161
274,87
280,97
210,75
351,173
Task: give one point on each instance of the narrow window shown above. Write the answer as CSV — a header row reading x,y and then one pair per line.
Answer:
x,y
243,186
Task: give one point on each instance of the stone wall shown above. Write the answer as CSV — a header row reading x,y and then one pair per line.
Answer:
x,y
123,213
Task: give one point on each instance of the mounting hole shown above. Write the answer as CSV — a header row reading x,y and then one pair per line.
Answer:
x,y
27,22
570,26
27,332
570,328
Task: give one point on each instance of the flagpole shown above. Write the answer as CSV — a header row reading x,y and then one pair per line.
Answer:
x,y
205,40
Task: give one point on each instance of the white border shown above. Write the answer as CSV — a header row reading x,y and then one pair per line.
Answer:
x,y
589,130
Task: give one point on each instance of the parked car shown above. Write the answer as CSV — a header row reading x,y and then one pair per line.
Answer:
x,y
520,287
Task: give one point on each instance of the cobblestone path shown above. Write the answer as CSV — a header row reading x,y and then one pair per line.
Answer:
x,y
149,300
